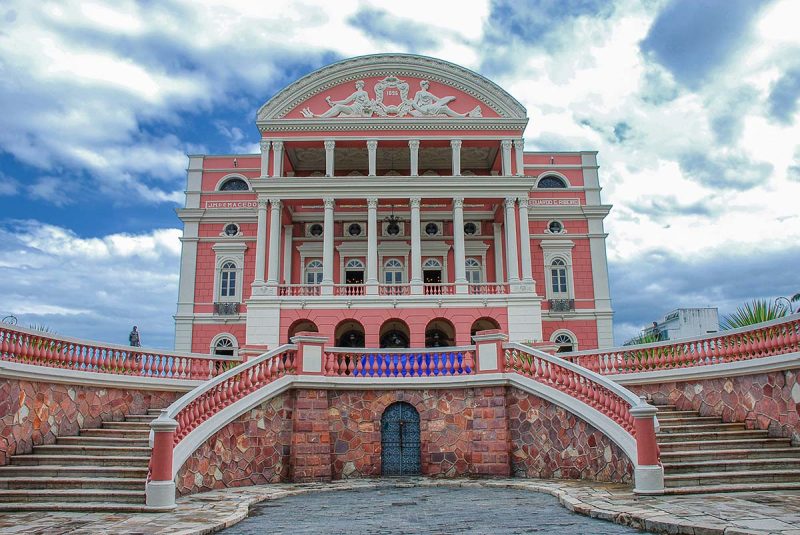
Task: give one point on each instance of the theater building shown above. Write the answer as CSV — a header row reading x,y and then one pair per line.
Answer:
x,y
392,205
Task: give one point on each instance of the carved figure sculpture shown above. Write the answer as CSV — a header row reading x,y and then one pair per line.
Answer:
x,y
356,105
426,103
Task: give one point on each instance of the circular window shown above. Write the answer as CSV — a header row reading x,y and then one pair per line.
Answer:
x,y
315,229
431,229
354,229
231,229
555,227
470,229
392,229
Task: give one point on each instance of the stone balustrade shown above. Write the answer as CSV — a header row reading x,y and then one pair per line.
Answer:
x,y
377,363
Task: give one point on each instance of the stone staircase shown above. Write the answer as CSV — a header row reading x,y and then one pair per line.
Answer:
x,y
701,454
102,469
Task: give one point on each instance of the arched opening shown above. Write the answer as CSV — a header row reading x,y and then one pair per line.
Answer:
x,y
303,325
354,272
432,276
551,182
225,346
234,184
394,334
440,333
349,333
483,324
400,440
564,341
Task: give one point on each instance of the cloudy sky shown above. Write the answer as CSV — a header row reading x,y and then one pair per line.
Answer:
x,y
693,105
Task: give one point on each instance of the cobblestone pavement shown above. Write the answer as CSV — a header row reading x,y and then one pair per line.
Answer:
x,y
724,514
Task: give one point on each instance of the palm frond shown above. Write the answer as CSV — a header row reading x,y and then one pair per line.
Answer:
x,y
752,313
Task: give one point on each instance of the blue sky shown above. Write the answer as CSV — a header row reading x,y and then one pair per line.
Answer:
x,y
693,106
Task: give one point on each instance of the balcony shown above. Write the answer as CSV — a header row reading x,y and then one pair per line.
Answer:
x,y
561,305
488,288
298,290
394,289
226,309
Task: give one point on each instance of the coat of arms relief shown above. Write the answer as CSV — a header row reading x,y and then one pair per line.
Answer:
x,y
391,100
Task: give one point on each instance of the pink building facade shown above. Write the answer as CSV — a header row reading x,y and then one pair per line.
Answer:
x,y
392,205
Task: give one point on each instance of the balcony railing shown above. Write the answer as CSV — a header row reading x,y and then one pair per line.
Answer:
x,y
226,309
298,290
439,289
488,288
394,289
349,289
561,305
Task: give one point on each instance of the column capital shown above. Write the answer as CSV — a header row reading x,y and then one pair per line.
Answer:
x,y
372,202
414,202
519,143
455,143
330,144
458,202
372,144
262,203
277,145
329,202
510,201
523,202
413,143
275,202
506,144
264,145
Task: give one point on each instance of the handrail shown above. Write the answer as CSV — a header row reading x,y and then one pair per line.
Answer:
x,y
401,362
776,337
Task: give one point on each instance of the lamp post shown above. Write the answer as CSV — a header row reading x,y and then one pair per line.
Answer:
x,y
788,301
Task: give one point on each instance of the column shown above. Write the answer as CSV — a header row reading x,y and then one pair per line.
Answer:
x,y
264,158
458,245
525,244
512,267
327,248
329,146
506,146
372,149
413,146
416,248
498,254
261,241
288,230
519,148
160,490
277,158
372,246
455,144
274,242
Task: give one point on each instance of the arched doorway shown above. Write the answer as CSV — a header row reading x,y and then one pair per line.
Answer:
x,y
440,333
349,333
302,326
483,324
394,334
400,440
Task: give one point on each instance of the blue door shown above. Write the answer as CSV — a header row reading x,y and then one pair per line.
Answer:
x,y
400,440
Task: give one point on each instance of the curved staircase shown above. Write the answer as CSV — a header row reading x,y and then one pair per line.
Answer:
x,y
102,469
702,454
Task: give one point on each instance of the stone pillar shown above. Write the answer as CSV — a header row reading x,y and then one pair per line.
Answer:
x,y
372,149
489,355
458,245
288,230
512,264
490,433
416,248
372,246
261,241
525,244
648,473
327,248
413,146
329,152
274,242
455,145
277,158
519,148
498,253
310,451
264,158
506,147
160,490
310,353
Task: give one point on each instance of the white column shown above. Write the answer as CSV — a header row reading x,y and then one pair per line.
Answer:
x,y
327,248
525,244
498,254
519,148
277,158
413,146
329,147
288,250
458,245
372,246
506,147
264,158
455,144
372,149
274,257
511,241
261,241
416,248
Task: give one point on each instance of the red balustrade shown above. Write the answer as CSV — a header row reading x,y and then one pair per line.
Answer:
x,y
394,289
32,347
349,289
439,289
488,288
776,337
408,363
298,290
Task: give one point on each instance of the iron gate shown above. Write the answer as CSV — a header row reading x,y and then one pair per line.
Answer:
x,y
400,440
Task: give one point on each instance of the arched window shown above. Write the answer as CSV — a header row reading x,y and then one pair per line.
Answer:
x,y
354,264
550,181
558,277
314,272
564,342
474,271
234,184
432,263
227,280
225,346
393,272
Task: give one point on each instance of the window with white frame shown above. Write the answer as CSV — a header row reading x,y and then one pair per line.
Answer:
x,y
224,346
393,272
565,342
313,273
473,271
227,280
432,263
558,278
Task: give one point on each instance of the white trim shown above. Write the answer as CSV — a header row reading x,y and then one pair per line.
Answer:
x,y
229,176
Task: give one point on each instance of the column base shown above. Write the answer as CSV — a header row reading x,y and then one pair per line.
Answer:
x,y
462,287
417,288
648,480
160,494
326,289
372,287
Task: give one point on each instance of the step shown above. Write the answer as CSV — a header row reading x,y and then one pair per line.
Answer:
x,y
78,507
73,495
108,483
728,454
80,449
79,460
712,435
668,415
155,411
690,421
691,445
737,487
733,465
53,470
726,478
701,427
103,441
127,425
140,417
117,433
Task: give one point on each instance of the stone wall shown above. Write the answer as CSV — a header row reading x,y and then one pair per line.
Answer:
x,y
763,401
34,413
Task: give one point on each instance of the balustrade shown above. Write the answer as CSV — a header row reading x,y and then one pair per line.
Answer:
x,y
439,289
298,290
349,289
488,288
394,289
399,363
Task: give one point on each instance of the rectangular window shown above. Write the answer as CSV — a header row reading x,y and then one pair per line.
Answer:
x,y
228,284
559,280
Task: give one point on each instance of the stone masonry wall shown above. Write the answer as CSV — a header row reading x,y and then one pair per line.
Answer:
x,y
765,401
34,413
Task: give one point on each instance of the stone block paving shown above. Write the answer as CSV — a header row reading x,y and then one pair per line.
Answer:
x,y
711,514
